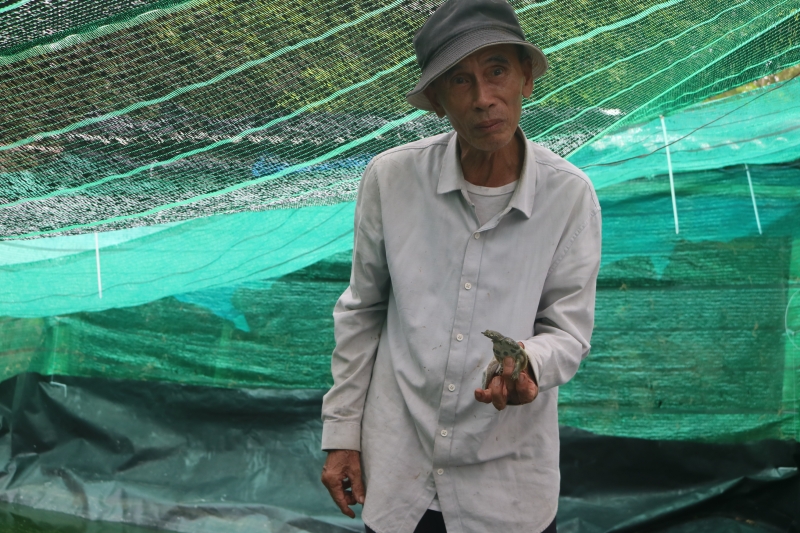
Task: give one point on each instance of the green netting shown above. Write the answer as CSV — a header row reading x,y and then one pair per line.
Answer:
x,y
59,275
179,110
25,23
695,337
216,149
685,323
756,127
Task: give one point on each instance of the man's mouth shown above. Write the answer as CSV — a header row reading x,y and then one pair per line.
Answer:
x,y
489,125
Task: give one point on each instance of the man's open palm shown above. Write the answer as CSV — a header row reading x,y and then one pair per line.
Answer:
x,y
504,391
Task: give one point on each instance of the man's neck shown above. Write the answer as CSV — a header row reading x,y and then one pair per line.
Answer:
x,y
492,169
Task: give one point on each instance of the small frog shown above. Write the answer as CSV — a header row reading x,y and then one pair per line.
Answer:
x,y
503,347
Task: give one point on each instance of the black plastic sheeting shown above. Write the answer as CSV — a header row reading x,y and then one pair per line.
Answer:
x,y
198,459
624,485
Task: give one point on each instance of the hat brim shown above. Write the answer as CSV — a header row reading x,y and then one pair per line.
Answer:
x,y
461,47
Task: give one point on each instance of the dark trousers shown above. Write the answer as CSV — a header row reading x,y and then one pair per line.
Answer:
x,y
432,522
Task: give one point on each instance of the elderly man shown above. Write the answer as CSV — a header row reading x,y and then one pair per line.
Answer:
x,y
471,230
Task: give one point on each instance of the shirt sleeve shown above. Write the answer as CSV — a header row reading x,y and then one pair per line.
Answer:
x,y
565,318
358,318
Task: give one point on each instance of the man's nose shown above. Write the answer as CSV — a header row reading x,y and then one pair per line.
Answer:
x,y
482,96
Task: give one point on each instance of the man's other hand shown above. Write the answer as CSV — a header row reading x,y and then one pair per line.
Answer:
x,y
341,475
504,391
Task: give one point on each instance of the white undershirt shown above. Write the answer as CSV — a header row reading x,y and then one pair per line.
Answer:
x,y
488,202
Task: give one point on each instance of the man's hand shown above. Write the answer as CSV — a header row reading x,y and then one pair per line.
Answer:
x,y
504,391
341,475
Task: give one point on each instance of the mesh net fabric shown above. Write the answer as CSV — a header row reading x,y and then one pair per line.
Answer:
x,y
177,110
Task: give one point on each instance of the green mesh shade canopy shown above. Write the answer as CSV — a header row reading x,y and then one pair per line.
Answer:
x,y
170,111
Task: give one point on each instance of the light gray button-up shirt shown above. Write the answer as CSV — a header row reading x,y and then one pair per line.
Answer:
x,y
427,279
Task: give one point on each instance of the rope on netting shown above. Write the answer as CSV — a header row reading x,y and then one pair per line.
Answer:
x,y
14,6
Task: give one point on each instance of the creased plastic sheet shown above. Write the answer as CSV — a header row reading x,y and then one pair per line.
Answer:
x,y
200,459
187,459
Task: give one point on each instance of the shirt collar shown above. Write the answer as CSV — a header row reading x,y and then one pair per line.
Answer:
x,y
451,177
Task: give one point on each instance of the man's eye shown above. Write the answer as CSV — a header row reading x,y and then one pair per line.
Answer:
x,y
459,80
498,71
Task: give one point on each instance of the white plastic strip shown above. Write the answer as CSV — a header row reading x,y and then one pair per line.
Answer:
x,y
54,383
671,180
753,196
97,259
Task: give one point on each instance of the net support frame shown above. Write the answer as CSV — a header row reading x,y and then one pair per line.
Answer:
x,y
671,179
753,197
97,261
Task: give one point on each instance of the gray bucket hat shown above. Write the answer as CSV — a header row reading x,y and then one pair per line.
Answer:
x,y
457,29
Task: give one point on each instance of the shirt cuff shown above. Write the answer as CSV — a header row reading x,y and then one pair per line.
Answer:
x,y
341,435
535,361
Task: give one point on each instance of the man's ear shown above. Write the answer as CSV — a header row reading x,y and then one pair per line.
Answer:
x,y
433,98
527,74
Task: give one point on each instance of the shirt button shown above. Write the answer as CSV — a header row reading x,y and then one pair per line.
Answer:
x,y
468,286
440,471
444,433
459,337
451,387
477,235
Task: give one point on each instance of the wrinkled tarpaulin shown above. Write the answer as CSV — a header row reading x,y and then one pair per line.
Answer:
x,y
201,459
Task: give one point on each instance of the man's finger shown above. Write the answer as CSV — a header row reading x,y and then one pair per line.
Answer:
x,y
499,392
527,388
348,493
508,369
337,495
345,509
483,395
350,498
524,390
357,482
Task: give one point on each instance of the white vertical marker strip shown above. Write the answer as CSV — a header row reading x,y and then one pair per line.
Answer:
x,y
753,196
671,180
97,259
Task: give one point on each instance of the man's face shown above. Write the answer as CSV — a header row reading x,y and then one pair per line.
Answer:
x,y
482,95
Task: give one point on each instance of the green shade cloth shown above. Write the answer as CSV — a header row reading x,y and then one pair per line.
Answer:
x,y
216,149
